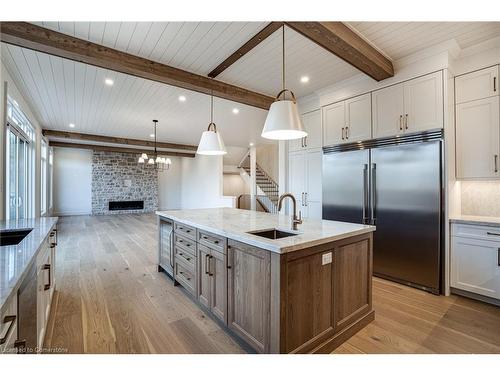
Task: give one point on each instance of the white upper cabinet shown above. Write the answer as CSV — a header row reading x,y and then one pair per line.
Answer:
x,y
478,138
358,112
312,125
334,123
388,109
423,101
477,85
408,107
347,121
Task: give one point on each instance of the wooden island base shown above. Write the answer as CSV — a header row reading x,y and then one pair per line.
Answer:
x,y
301,301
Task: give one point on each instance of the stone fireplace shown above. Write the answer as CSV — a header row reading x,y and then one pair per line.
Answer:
x,y
121,185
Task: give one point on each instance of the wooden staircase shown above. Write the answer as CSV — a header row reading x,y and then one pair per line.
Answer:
x,y
268,186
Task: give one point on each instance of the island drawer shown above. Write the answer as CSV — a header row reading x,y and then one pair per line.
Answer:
x,y
184,276
187,243
185,230
185,257
212,241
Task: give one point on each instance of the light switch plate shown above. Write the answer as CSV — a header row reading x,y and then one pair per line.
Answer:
x,y
326,258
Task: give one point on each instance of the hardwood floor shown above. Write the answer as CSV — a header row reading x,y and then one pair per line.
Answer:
x,y
111,299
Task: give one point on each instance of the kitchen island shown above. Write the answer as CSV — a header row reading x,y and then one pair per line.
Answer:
x,y
277,290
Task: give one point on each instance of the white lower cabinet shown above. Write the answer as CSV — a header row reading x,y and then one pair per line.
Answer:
x,y
305,181
475,259
8,326
45,285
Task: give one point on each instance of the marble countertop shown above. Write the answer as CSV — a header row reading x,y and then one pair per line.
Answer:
x,y
15,260
235,223
476,220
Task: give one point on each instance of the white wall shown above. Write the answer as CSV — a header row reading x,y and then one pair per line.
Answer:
x,y
170,186
72,181
202,182
234,185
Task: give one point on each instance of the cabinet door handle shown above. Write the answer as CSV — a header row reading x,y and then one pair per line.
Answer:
x,y
494,84
496,163
47,267
307,203
302,203
305,141
346,132
400,122
492,234
342,133
207,264
406,121
11,319
498,257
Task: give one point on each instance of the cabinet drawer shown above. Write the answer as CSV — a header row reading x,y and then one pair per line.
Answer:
x,y
185,276
8,326
480,232
185,230
185,257
187,243
212,241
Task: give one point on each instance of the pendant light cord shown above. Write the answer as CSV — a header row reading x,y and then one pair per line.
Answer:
x,y
211,106
283,58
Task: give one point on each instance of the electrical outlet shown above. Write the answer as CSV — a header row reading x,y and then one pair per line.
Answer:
x,y
326,258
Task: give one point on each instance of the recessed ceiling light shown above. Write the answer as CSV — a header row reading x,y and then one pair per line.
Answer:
x,y
152,135
71,125
109,81
182,98
304,79
236,111
251,144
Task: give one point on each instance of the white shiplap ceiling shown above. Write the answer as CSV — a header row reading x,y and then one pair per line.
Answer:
x,y
400,39
63,91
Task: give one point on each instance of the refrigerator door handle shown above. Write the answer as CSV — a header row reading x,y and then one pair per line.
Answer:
x,y
365,193
374,194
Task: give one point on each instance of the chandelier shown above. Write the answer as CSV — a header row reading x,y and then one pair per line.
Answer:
x,y
156,161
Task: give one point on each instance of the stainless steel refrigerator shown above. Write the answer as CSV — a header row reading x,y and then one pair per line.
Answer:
x,y
397,185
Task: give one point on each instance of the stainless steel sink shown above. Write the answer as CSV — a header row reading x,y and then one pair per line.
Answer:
x,y
272,234
13,237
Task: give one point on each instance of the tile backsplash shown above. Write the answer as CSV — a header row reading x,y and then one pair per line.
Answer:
x,y
481,198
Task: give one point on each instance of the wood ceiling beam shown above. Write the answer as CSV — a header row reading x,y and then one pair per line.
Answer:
x,y
343,42
127,150
26,35
245,48
122,141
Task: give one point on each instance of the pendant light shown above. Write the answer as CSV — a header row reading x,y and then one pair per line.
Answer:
x,y
211,142
283,120
160,163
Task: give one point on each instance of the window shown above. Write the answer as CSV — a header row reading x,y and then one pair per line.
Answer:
x,y
20,171
43,178
51,178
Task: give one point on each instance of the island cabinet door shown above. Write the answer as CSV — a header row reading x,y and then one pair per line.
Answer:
x,y
204,282
218,288
249,284
309,298
353,282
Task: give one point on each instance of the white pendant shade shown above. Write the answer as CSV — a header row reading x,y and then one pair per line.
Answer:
x,y
168,161
141,160
144,156
158,159
151,161
283,121
211,143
